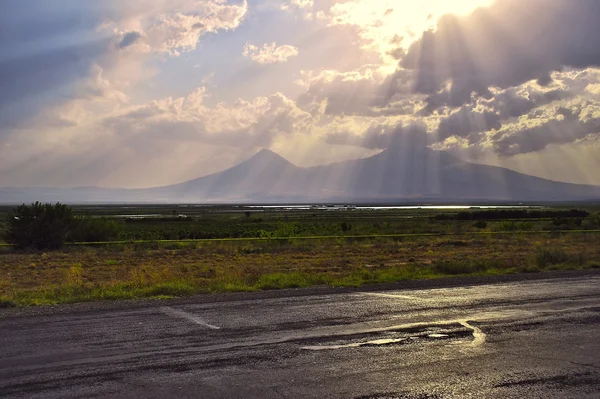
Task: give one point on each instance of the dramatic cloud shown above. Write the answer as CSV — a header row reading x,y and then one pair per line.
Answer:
x,y
381,136
246,124
555,126
33,74
269,53
93,89
527,118
504,45
174,27
47,49
488,113
367,91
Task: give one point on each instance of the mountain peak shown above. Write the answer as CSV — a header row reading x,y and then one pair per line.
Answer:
x,y
265,152
267,156
265,159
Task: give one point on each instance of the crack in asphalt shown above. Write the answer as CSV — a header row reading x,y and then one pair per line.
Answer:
x,y
554,359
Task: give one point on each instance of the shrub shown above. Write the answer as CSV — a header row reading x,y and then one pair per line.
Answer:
x,y
46,226
5,303
282,280
87,229
480,224
507,226
591,222
455,267
289,229
39,226
550,256
524,226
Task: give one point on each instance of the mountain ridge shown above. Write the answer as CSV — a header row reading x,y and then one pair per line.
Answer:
x,y
395,174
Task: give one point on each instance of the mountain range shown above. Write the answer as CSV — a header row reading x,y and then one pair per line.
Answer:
x,y
394,175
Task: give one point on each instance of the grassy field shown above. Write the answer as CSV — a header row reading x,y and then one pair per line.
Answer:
x,y
221,249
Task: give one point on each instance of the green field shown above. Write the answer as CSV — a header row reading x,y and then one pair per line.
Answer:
x,y
169,250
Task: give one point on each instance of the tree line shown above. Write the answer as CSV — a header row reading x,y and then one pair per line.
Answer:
x,y
49,226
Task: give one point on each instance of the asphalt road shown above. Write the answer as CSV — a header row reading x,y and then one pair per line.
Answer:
x,y
519,339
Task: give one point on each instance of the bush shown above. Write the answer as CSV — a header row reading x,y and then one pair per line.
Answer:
x,y
592,222
456,267
525,226
39,226
5,303
480,224
46,226
87,229
550,256
507,226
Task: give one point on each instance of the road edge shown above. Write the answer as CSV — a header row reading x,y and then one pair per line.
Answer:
x,y
405,285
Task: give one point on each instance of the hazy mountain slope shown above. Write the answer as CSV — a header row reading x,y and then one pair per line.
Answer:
x,y
394,174
265,174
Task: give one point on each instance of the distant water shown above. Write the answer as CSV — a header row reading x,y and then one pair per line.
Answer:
x,y
383,207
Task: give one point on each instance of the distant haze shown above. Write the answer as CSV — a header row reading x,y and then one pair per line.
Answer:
x,y
394,175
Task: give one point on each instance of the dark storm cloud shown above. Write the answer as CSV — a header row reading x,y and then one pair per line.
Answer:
x,y
362,93
488,114
466,121
43,49
569,126
507,44
129,38
30,82
380,137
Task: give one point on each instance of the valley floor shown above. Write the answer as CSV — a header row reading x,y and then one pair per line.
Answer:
x,y
127,271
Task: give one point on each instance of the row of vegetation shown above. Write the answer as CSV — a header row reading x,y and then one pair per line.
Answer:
x,y
354,248
502,214
47,226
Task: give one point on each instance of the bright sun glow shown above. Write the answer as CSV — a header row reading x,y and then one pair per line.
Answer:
x,y
390,24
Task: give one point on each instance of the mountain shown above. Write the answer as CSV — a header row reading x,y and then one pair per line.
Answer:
x,y
263,174
396,174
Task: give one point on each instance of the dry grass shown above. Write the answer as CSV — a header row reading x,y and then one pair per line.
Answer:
x,y
133,271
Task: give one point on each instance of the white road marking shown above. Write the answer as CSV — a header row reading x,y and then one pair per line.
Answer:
x,y
187,316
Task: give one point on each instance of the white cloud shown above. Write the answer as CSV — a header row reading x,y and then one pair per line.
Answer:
x,y
121,134
305,6
269,53
173,27
368,91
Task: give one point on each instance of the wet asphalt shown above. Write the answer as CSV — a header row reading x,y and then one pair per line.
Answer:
x,y
525,338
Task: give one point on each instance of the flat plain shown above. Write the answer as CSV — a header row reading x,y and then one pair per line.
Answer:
x,y
171,251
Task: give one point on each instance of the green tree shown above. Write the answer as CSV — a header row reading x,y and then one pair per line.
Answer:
x,y
39,226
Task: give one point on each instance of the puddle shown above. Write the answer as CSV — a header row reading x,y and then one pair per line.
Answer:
x,y
377,342
458,331
479,335
438,336
400,395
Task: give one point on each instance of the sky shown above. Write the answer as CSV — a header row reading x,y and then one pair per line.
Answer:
x,y
143,93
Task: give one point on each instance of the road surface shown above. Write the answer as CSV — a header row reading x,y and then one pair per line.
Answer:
x,y
534,339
